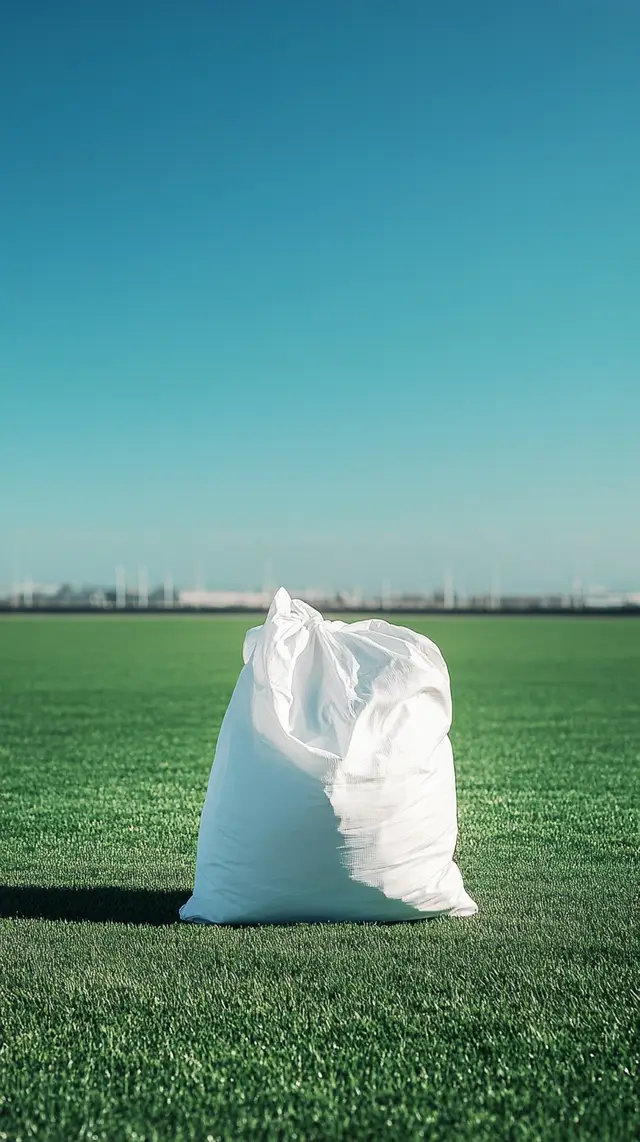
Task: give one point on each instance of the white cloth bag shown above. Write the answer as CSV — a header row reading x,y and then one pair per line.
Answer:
x,y
332,794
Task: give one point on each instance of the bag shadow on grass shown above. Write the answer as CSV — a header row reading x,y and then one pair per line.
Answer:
x,y
103,904
157,908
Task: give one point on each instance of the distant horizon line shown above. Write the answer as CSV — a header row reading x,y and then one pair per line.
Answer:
x,y
31,596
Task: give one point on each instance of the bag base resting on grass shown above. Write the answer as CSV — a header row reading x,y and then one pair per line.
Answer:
x,y
332,795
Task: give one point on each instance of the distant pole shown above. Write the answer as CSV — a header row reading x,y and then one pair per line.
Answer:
x,y
386,595
27,593
15,590
496,600
448,597
168,590
143,587
121,588
577,594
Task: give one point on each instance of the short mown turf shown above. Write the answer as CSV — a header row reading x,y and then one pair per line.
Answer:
x,y
119,1023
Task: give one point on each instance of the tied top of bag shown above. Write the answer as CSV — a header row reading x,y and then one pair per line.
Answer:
x,y
346,698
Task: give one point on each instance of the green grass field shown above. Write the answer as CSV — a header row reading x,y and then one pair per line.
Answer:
x,y
119,1023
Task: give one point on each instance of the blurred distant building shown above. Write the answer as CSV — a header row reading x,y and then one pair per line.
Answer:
x,y
221,600
600,598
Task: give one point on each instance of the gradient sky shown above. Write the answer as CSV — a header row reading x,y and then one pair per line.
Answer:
x,y
326,292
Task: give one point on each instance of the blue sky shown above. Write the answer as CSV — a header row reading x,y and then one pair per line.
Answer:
x,y
331,292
